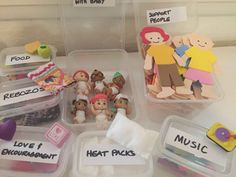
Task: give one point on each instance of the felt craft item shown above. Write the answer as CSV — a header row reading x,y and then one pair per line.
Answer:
x,y
44,51
51,78
131,135
32,47
222,136
57,134
7,130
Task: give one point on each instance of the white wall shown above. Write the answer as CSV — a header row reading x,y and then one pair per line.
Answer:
x,y
27,20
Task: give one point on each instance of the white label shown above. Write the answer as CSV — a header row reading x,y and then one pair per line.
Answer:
x,y
30,151
163,16
24,94
110,155
201,148
94,3
24,58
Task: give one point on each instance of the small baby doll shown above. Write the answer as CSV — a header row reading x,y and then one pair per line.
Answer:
x,y
80,109
98,84
82,78
99,107
121,103
117,84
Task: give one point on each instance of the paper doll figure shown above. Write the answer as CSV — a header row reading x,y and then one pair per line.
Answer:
x,y
99,107
80,109
51,78
201,64
82,78
117,84
121,103
162,54
98,84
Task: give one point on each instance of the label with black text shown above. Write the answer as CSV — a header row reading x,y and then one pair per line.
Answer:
x,y
23,59
29,151
168,15
199,147
110,155
94,3
24,94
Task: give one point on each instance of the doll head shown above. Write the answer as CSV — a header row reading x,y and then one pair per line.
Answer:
x,y
97,76
121,101
81,102
99,102
177,41
201,42
118,79
154,35
81,75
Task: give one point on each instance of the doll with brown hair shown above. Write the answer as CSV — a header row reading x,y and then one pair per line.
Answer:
x,y
82,78
80,109
99,107
161,54
97,82
121,103
114,88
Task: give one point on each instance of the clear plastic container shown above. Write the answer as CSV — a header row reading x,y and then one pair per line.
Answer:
x,y
28,104
84,27
109,62
81,35
141,170
18,71
184,147
16,168
184,27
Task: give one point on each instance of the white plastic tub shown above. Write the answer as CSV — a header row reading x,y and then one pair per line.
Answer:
x,y
28,104
185,148
17,168
15,71
109,62
79,169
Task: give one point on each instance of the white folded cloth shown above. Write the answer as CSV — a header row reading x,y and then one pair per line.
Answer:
x,y
133,136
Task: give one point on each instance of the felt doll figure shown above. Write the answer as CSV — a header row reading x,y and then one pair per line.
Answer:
x,y
80,109
162,54
82,78
201,64
121,103
117,84
99,107
98,84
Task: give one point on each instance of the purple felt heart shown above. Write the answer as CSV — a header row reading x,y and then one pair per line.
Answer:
x,y
7,130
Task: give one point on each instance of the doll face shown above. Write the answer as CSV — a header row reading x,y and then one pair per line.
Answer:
x,y
154,37
119,81
81,105
121,103
80,76
100,104
177,41
97,76
201,41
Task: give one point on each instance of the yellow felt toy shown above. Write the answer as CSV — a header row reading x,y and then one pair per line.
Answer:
x,y
222,136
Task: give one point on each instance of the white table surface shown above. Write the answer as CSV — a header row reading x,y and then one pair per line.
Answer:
x,y
223,111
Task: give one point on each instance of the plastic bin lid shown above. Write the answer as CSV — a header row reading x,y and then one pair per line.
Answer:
x,y
15,167
88,28
186,144
179,26
92,140
24,96
15,60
